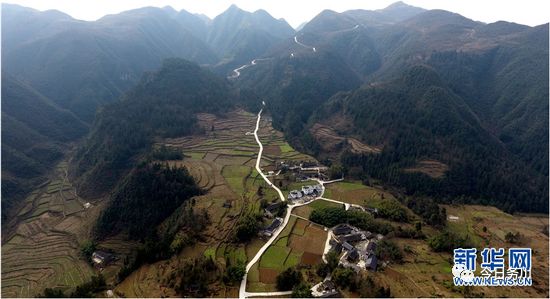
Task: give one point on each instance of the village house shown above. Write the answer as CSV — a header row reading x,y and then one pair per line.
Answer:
x,y
368,235
371,262
295,194
371,247
326,289
272,209
351,238
353,255
335,246
318,188
347,246
342,229
268,231
101,258
307,190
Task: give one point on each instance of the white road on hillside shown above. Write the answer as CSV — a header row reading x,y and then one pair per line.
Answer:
x,y
237,71
304,45
242,290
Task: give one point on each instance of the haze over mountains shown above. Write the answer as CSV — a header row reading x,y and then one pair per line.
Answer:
x,y
468,83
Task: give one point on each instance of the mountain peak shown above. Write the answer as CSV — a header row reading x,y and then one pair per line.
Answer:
x,y
401,11
398,4
169,9
233,7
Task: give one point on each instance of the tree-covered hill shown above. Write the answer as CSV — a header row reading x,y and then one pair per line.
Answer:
x,y
499,73
163,104
418,118
147,196
34,131
82,65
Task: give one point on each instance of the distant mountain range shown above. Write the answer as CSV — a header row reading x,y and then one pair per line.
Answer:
x,y
457,89
425,86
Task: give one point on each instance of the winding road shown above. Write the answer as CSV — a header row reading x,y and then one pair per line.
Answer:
x,y
237,71
242,290
304,45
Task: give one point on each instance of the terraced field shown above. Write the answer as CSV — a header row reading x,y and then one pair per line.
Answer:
x,y
43,249
222,161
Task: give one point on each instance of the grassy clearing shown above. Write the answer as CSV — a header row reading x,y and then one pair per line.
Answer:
x,y
356,193
236,255
274,257
305,211
195,155
210,252
286,148
234,175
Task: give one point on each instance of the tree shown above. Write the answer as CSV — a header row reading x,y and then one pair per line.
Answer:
x,y
368,289
235,273
418,226
392,210
302,290
87,290
52,293
288,279
247,228
335,171
447,241
87,248
388,250
332,260
343,277
512,238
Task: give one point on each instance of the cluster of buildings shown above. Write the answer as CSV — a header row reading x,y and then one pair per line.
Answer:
x,y
304,170
307,193
358,247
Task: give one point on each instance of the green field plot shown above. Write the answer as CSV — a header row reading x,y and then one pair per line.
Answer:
x,y
286,148
73,206
195,155
235,175
274,257
356,193
305,211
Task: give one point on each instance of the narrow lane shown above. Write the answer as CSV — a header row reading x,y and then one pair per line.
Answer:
x,y
304,45
242,290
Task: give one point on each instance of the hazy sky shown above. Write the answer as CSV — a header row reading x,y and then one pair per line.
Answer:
x,y
530,12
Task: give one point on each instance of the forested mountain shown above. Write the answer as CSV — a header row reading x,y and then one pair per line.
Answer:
x,y
45,48
238,36
95,61
498,71
144,199
34,130
79,66
163,104
417,118
296,86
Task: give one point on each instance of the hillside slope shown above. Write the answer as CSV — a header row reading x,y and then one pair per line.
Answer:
x,y
416,120
163,104
33,133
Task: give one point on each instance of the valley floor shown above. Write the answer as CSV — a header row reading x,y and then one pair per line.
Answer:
x,y
44,249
